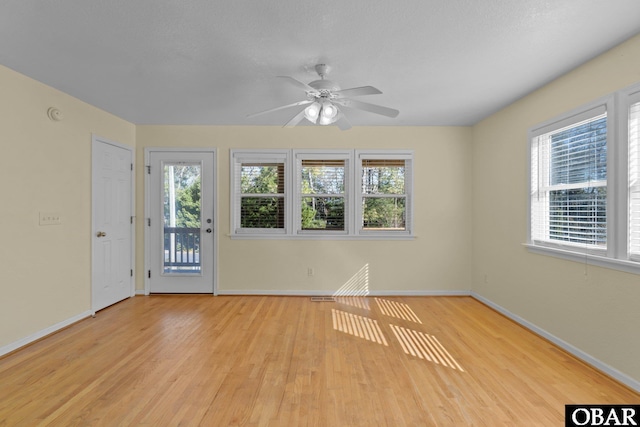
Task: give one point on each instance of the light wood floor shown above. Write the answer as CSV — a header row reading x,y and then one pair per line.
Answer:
x,y
288,361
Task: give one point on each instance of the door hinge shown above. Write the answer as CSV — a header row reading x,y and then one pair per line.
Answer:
x,y
131,272
131,222
149,169
149,222
149,274
131,166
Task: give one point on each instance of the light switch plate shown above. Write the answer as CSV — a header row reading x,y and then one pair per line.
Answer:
x,y
50,218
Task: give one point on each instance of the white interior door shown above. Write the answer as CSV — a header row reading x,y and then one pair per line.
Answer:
x,y
112,265
181,222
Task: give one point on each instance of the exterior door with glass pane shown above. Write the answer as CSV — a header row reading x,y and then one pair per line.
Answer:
x,y
180,222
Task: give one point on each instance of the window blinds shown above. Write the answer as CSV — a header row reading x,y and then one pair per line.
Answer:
x,y
384,204
262,202
322,194
569,184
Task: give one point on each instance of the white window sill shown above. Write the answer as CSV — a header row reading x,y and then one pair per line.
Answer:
x,y
590,259
318,237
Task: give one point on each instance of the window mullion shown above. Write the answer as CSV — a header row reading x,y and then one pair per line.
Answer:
x,y
617,204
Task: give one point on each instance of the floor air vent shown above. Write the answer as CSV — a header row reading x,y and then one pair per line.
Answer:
x,y
323,299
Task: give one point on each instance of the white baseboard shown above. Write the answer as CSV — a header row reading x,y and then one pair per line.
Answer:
x,y
43,333
587,358
299,293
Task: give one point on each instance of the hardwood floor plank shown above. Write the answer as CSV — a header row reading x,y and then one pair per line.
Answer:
x,y
281,361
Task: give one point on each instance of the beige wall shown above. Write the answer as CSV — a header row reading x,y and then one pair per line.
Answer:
x,y
437,260
594,309
46,166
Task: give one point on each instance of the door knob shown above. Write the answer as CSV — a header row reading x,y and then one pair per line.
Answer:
x,y
101,234
208,230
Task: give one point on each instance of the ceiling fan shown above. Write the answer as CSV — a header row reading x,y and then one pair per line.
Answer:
x,y
325,99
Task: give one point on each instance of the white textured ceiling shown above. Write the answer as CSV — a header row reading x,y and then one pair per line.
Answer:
x,y
212,62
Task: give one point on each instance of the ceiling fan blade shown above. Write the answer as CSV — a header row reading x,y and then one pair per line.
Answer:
x,y
295,120
306,101
357,91
298,83
343,123
372,108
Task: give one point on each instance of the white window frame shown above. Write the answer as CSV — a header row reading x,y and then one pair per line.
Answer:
x,y
353,194
237,159
299,156
407,156
627,98
616,255
539,183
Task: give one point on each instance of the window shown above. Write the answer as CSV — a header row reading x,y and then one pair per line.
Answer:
x,y
326,196
322,188
384,193
259,189
633,109
569,182
585,183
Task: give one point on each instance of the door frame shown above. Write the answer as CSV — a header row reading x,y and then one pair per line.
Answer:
x,y
95,139
147,206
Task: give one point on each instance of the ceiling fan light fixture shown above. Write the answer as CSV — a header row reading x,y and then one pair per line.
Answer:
x,y
329,110
312,112
328,113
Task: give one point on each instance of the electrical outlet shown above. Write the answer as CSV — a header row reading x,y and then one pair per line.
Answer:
x,y
310,272
50,218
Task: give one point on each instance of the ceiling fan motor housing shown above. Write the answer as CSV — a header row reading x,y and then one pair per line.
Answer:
x,y
324,86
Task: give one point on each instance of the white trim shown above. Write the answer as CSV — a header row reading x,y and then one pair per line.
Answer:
x,y
579,114
325,292
43,333
318,236
585,258
585,357
147,235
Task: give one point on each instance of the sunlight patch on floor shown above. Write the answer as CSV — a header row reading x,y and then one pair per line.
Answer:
x,y
358,326
424,346
359,302
398,310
